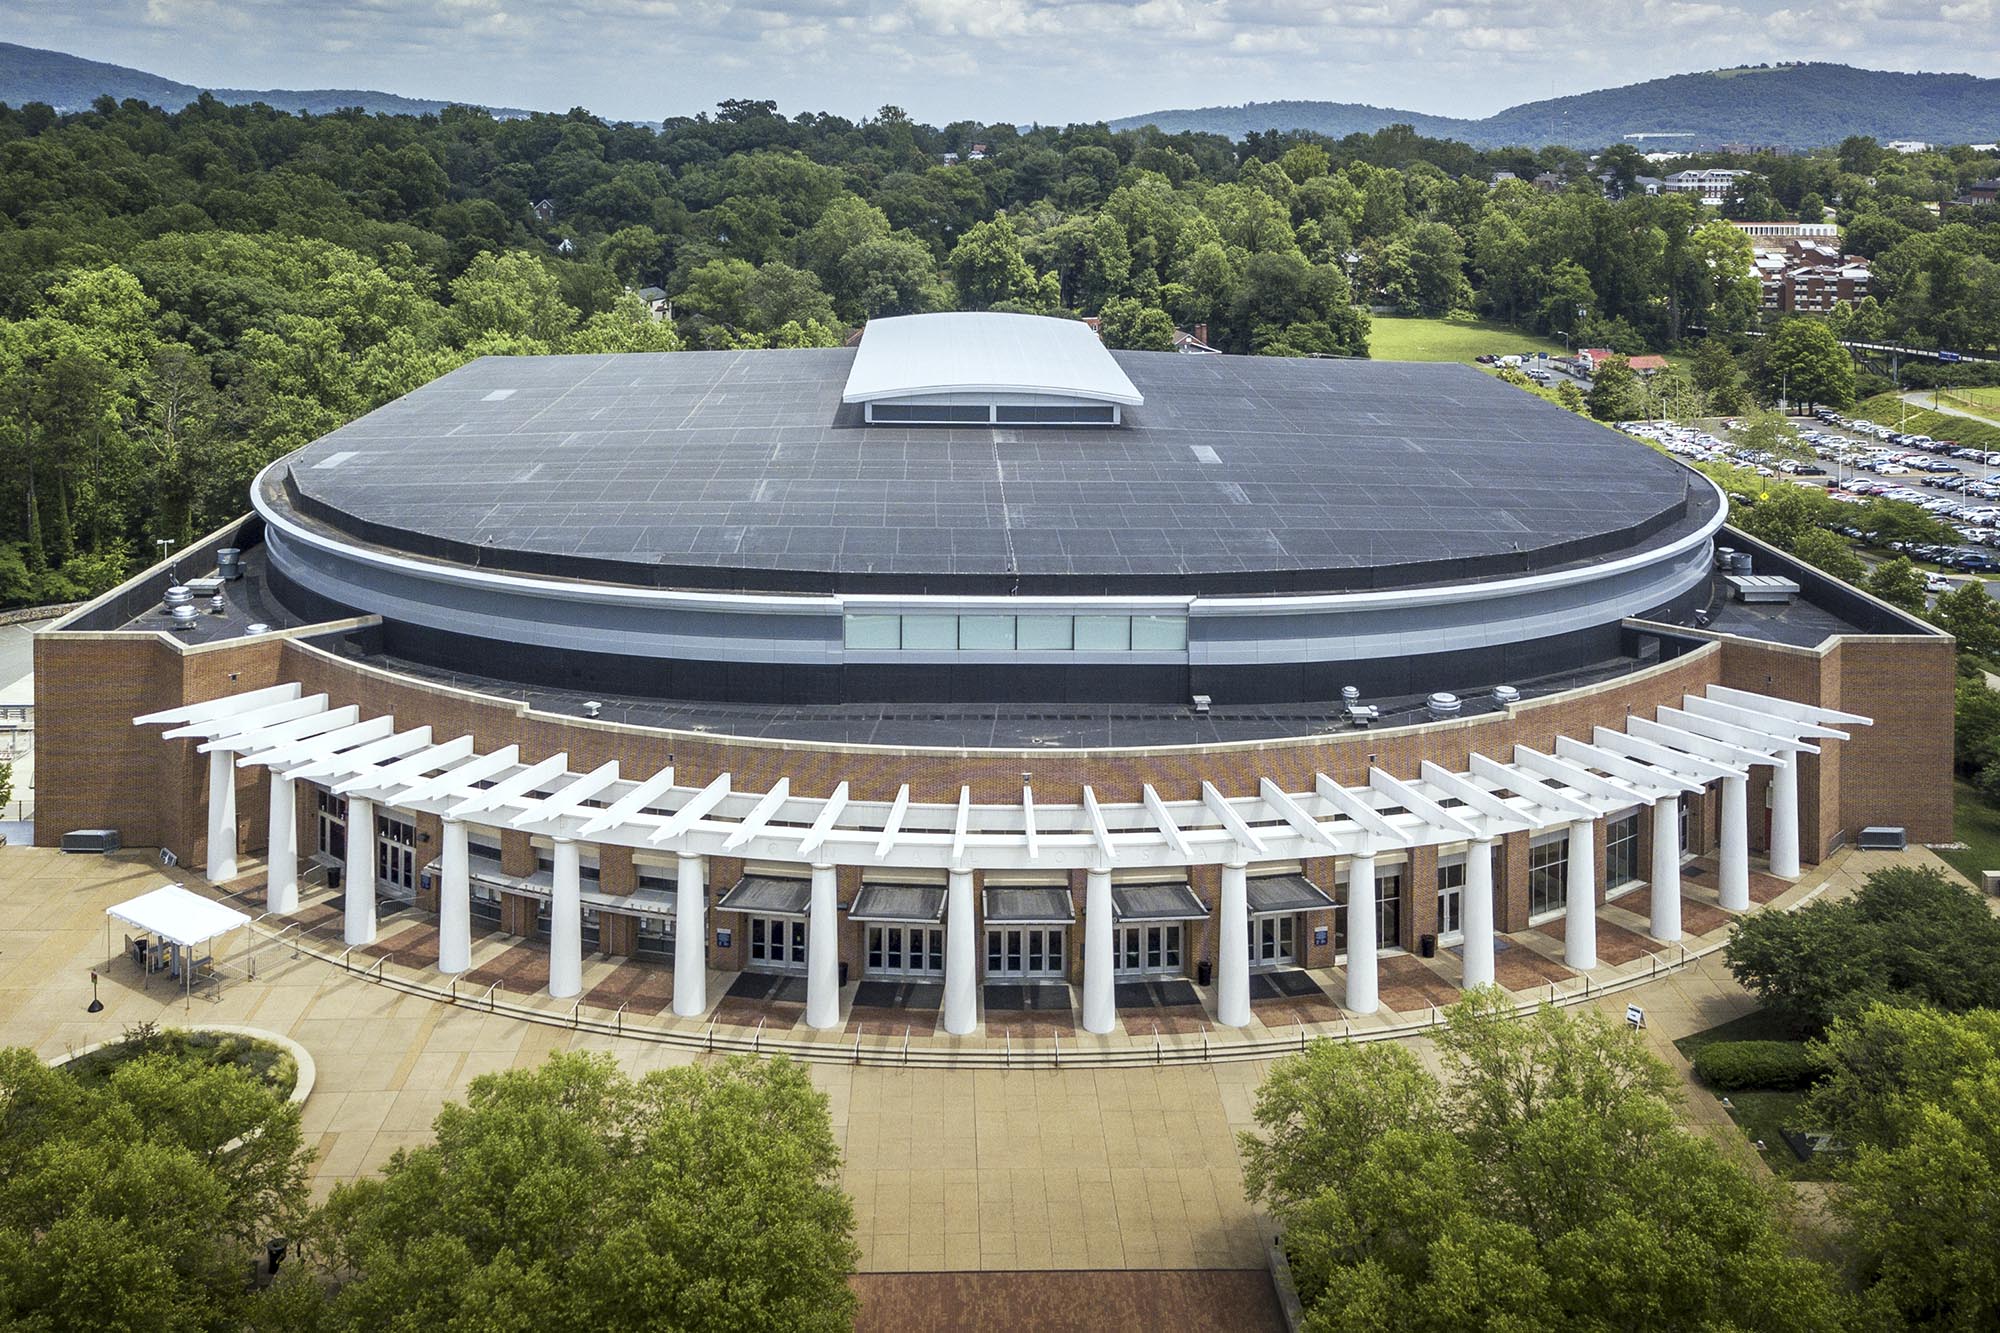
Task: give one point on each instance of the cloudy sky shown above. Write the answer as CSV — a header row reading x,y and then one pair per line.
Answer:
x,y
1019,60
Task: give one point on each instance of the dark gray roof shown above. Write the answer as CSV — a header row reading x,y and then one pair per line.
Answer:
x,y
1028,907
1274,895
768,894
744,470
1155,902
920,903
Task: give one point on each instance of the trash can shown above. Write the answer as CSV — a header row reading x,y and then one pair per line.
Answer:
x,y
843,971
1204,973
1427,945
333,877
274,1253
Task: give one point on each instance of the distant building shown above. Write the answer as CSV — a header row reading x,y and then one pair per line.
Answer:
x,y
1646,365
1907,146
1640,185
1499,176
1789,231
1980,193
1711,184
1807,275
656,301
1194,342
949,159
977,153
544,210
1548,182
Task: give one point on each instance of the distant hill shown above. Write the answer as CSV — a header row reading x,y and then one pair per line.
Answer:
x,y
71,83
1797,106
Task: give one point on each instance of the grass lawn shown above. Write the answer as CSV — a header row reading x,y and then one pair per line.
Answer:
x,y
1886,409
269,1064
1395,338
1760,1114
1757,1025
1985,401
1978,827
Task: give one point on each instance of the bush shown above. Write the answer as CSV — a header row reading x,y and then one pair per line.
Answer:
x,y
1730,1066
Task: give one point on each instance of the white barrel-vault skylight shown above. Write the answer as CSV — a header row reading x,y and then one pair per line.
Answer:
x,y
987,368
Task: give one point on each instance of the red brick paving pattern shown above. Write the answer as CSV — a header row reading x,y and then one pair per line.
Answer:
x,y
1226,1300
1521,968
1615,944
1405,985
1698,917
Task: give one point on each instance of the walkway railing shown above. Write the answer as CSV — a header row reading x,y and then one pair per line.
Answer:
x,y
1213,1044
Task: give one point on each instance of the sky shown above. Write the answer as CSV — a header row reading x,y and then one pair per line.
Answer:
x,y
1051,61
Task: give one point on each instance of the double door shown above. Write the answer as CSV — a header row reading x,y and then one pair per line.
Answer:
x,y
777,943
1025,952
1273,941
395,856
906,951
1149,949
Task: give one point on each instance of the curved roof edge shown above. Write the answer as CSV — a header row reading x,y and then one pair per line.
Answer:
x,y
985,352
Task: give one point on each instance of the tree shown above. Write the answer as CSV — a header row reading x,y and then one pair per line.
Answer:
x,y
1542,1183
1716,373
1899,583
1615,393
1127,323
989,268
1833,554
572,1196
118,1207
1805,363
1908,935
1912,1091
1971,616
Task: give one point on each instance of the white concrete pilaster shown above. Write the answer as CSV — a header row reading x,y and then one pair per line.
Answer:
x,y
221,864
1478,915
1232,963
281,886
1733,853
691,937
1361,978
455,899
961,958
566,922
360,871
1666,924
1785,817
1580,910
823,952
1100,1002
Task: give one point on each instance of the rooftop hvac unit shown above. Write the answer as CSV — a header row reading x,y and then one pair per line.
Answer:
x,y
177,595
1201,703
91,840
207,587
258,628
1442,706
184,615
229,562
1506,695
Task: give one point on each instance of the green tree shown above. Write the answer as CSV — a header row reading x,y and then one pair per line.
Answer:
x,y
1615,392
1832,553
572,1196
1908,935
1899,583
511,301
1805,363
1717,375
1970,615
1542,1183
1127,323
989,268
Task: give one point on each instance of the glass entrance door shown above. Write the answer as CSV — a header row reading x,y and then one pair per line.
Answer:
x,y
1025,951
395,856
331,833
906,951
1271,941
777,944
1151,949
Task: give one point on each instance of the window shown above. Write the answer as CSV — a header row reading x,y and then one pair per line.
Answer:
x,y
995,635
1103,634
928,414
1388,909
1044,634
1621,851
1548,873
930,634
1159,634
1451,899
986,634
1076,415
878,632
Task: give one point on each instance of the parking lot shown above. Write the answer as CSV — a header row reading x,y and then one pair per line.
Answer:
x,y
1858,461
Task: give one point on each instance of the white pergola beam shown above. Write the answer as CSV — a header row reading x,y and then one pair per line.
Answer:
x,y
960,824
760,814
1163,820
462,780
234,705
247,725
1232,820
1560,805
1619,766
1489,806
1758,721
1371,820
1548,766
298,729
697,805
892,827
1754,738
631,803
1440,819
406,770
1100,833
1691,743
320,746
1695,768
569,796
1786,708
1294,814
1028,821
350,762
516,784
829,815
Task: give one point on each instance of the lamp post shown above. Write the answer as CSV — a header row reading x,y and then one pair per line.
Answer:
x,y
166,545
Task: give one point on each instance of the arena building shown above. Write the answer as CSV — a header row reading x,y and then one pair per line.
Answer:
x,y
984,662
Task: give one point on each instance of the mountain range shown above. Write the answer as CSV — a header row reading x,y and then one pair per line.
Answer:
x,y
1794,106
71,83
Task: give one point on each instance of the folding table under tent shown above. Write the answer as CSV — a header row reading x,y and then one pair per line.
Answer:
x,y
180,918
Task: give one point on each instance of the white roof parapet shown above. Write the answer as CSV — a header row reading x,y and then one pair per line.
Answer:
x,y
233,705
1441,820
1490,809
1750,717
245,725
464,779
1164,821
568,797
363,757
1549,806
386,779
1714,728
1664,781
1786,708
298,729
321,746
697,805
1227,815
1695,768
1294,814
631,803
1694,743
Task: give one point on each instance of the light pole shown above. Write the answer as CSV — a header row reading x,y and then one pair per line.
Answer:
x,y
166,545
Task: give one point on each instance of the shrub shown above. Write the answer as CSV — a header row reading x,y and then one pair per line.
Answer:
x,y
1730,1066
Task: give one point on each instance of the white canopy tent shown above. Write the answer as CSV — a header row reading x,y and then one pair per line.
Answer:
x,y
178,917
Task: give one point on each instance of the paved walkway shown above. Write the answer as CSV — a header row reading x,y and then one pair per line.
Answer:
x,y
1922,398
951,1169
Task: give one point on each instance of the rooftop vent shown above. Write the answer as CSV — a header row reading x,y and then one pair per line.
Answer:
x,y
229,562
1442,706
1506,695
986,369
591,707
1201,703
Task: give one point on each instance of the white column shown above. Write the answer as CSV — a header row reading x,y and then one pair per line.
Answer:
x,y
455,900
1361,993
961,960
1733,855
1100,999
221,816
691,938
1478,910
360,871
566,922
1580,911
1785,817
1232,962
823,952
281,887
1667,868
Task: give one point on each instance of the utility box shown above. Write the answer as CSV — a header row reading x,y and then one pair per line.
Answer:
x,y
92,840
1882,838
1990,880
